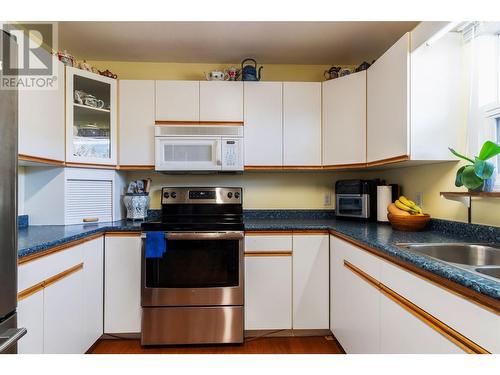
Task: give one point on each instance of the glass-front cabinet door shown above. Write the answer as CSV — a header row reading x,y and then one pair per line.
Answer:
x,y
91,129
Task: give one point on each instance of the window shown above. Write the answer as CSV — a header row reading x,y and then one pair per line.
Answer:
x,y
498,141
482,56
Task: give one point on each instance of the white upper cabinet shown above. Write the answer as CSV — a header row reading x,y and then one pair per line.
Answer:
x,y
221,101
413,100
177,101
263,123
91,118
437,77
41,120
344,120
388,90
311,299
136,103
302,123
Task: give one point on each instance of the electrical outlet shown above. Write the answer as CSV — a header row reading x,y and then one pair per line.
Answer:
x,y
419,198
327,201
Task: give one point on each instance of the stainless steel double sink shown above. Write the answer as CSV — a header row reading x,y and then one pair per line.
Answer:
x,y
481,258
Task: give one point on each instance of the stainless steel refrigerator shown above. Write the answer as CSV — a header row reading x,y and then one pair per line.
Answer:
x,y
9,332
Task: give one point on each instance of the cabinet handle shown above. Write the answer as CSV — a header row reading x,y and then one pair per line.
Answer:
x,y
90,219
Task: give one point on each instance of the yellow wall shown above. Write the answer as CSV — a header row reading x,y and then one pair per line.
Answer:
x,y
273,190
433,179
165,70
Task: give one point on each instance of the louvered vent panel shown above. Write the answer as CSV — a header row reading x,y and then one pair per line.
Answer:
x,y
87,199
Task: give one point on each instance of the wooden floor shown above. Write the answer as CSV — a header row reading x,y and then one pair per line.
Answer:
x,y
264,345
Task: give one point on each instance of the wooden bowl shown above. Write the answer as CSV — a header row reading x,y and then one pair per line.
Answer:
x,y
411,223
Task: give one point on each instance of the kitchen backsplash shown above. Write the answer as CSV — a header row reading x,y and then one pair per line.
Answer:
x,y
306,190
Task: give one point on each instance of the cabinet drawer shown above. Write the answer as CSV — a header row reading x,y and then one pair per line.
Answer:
x,y
268,243
471,320
32,273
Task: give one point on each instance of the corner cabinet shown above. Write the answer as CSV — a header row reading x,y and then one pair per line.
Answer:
x,y
412,95
380,307
60,300
91,118
41,122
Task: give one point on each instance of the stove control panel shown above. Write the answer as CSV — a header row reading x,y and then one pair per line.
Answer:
x,y
201,195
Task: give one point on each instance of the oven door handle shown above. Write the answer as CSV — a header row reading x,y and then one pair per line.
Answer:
x,y
190,236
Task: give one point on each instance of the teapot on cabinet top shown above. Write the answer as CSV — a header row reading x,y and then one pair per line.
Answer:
x,y
249,72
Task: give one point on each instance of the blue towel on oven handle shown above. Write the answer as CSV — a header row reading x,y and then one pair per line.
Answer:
x,y
156,244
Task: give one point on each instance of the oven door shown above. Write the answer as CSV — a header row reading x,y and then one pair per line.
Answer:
x,y
197,269
191,154
353,205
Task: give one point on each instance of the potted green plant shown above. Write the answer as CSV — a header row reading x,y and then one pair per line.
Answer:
x,y
480,174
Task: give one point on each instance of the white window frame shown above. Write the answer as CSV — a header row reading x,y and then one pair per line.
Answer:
x,y
492,116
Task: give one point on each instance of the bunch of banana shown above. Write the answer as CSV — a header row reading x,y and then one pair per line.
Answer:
x,y
404,206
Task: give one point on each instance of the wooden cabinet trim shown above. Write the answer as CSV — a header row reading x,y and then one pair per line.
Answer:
x,y
30,291
446,331
268,233
481,300
274,253
47,282
209,123
123,234
36,159
136,167
91,165
57,248
395,159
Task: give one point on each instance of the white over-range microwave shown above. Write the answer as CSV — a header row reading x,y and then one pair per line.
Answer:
x,y
194,148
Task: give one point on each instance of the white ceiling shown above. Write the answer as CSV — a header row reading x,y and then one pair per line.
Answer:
x,y
230,42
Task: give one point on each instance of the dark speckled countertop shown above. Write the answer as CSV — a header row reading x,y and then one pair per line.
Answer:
x,y
378,236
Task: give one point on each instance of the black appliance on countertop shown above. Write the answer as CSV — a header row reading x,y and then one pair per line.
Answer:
x,y
356,199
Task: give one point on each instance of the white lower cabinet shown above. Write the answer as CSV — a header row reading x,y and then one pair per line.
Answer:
x,y
30,316
122,286
93,283
355,304
378,307
403,333
268,292
311,298
63,315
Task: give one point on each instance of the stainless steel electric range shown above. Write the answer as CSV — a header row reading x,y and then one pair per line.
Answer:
x,y
193,292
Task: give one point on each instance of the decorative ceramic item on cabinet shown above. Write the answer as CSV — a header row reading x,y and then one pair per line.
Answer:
x,y
90,99
249,72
